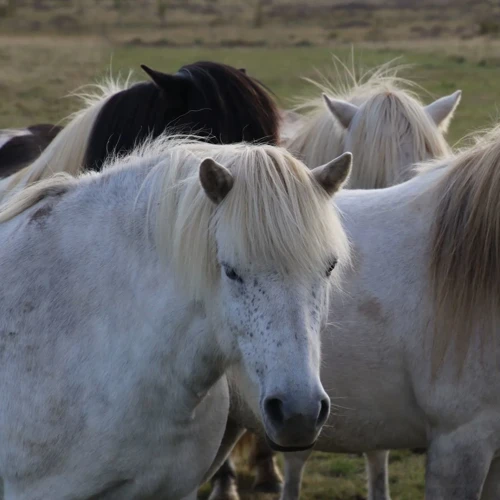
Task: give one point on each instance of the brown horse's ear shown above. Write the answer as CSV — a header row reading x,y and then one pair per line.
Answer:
x,y
243,70
172,86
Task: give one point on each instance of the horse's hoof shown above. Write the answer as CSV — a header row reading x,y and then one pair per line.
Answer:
x,y
267,487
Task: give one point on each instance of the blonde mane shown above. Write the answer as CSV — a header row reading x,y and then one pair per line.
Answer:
x,y
56,185
389,109
67,151
465,248
275,213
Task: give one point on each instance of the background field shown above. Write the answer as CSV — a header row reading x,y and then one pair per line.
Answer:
x,y
50,47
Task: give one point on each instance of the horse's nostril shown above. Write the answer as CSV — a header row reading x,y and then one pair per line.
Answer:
x,y
323,411
274,410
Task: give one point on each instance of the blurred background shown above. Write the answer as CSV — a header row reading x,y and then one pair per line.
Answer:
x,y
49,48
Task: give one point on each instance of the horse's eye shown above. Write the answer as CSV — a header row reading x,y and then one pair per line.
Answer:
x,y
232,274
331,267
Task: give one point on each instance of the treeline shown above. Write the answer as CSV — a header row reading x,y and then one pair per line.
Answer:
x,y
160,8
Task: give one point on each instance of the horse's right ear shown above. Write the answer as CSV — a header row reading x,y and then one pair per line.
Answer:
x,y
332,176
215,179
441,111
343,111
172,86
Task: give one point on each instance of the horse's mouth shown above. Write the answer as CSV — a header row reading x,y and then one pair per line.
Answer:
x,y
287,449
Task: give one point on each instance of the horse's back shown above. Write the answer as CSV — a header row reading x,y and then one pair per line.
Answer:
x,y
20,148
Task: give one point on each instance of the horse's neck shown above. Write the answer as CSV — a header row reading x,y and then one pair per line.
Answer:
x,y
389,223
175,328
396,202
198,362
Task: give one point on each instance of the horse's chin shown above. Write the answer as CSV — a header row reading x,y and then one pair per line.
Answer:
x,y
287,449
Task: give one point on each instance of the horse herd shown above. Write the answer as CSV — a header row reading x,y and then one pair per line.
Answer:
x,y
174,273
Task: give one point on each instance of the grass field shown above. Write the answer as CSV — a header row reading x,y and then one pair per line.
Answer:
x,y
39,73
342,477
40,69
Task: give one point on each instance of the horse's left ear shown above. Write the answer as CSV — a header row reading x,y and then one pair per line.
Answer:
x,y
215,179
343,111
334,174
172,86
441,111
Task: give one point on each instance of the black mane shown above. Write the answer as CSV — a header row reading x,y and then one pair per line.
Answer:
x,y
216,101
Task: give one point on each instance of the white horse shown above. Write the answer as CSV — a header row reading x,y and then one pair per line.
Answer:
x,y
126,294
411,353
390,130
378,116
383,121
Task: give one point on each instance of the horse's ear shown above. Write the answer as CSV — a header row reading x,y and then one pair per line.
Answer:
x,y
342,110
441,111
215,179
243,70
334,174
171,85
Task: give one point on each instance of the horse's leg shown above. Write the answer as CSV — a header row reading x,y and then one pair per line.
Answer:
x,y
268,478
294,468
224,486
491,488
457,466
377,469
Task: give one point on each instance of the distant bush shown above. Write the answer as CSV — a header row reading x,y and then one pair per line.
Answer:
x,y
489,27
65,23
303,43
458,59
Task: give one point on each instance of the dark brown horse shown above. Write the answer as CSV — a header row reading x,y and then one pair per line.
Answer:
x,y
217,102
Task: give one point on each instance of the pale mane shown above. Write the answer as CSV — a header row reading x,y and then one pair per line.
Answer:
x,y
389,109
275,212
321,136
389,122
465,249
56,185
67,151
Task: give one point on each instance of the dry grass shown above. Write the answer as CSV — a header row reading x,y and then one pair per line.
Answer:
x,y
39,72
